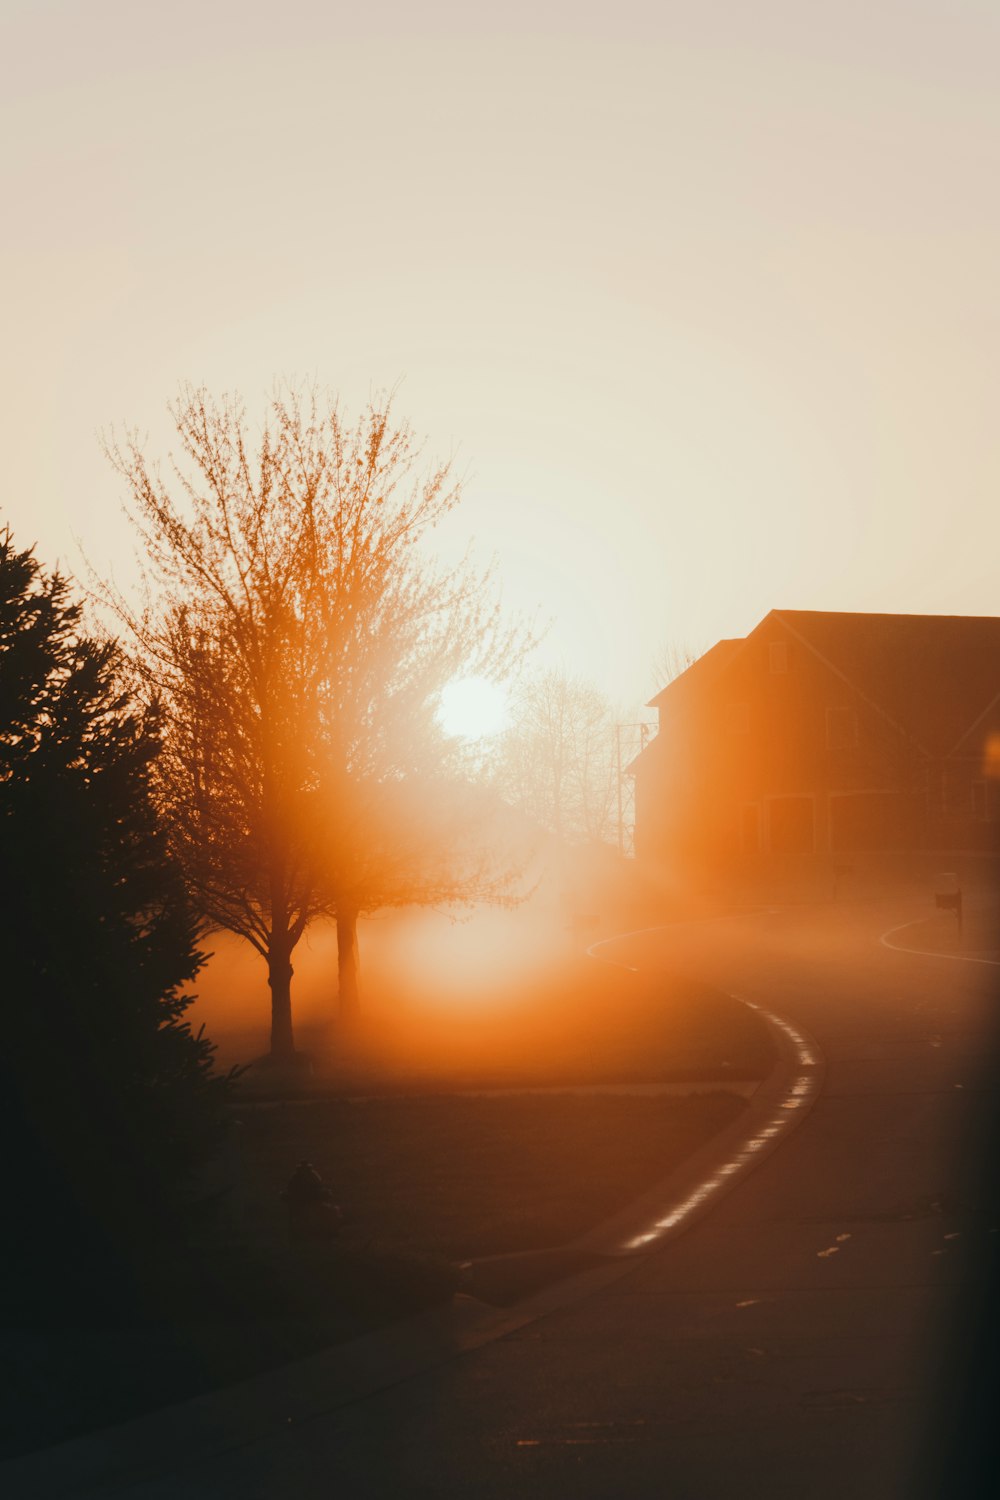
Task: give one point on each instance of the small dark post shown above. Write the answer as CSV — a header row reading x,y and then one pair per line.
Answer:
x,y
948,896
312,1213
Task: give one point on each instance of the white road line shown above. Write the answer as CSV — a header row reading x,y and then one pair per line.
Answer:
x,y
800,1094
963,958
660,927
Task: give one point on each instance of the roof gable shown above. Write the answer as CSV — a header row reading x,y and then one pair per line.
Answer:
x,y
693,680
935,675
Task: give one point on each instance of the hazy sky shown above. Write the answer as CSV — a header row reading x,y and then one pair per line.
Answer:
x,y
703,296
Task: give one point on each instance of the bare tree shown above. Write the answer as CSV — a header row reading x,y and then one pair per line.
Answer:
x,y
673,658
557,761
298,643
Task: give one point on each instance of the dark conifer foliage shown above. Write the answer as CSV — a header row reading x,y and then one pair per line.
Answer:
x,y
106,1097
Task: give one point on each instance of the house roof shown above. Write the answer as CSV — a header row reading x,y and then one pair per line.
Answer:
x,y
696,677
935,676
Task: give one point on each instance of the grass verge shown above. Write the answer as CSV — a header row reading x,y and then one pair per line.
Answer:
x,y
425,1182
461,1177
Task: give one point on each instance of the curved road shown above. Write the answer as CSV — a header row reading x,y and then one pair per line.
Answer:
x,y
804,1338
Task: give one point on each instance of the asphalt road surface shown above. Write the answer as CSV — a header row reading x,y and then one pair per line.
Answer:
x,y
824,1331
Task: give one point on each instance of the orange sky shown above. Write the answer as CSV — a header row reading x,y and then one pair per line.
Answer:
x,y
703,295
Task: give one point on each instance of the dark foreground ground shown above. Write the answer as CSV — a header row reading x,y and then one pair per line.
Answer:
x,y
828,1329
426,1179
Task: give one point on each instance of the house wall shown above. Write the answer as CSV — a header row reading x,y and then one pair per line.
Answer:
x,y
964,801
778,755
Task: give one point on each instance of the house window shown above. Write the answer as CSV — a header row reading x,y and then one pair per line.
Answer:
x,y
841,728
777,656
738,718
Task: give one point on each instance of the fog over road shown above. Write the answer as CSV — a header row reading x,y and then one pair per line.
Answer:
x,y
797,1340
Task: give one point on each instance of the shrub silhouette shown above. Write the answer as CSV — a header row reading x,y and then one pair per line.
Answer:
x,y
106,1097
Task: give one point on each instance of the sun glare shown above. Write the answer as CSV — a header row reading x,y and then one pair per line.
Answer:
x,y
473,708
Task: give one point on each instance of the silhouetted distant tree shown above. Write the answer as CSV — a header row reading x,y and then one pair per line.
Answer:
x,y
556,763
673,658
427,840
299,645
107,1100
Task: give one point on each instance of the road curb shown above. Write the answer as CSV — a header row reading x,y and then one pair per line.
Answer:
x,y
677,1201
962,958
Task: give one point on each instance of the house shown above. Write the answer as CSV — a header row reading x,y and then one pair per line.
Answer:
x,y
825,738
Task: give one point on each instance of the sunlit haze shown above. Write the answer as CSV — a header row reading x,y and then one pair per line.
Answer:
x,y
473,708
501,948
701,298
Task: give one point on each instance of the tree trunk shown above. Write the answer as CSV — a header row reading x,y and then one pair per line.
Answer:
x,y
279,977
279,964
347,965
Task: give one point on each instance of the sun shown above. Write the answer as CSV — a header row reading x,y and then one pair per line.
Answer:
x,y
473,708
